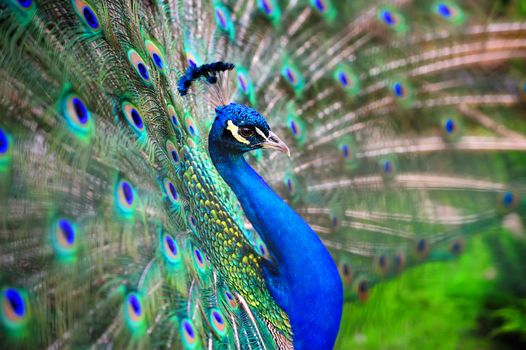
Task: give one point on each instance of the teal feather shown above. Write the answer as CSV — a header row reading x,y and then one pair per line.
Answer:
x,y
405,126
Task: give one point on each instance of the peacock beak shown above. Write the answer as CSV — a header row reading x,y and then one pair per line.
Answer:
x,y
274,142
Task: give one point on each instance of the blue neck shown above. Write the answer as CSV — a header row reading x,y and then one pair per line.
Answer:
x,y
305,282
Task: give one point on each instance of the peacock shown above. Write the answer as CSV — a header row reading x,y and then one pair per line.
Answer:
x,y
225,174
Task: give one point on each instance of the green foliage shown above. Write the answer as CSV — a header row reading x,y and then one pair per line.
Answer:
x,y
507,304
434,306
513,319
478,302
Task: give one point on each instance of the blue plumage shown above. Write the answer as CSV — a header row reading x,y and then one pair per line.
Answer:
x,y
303,280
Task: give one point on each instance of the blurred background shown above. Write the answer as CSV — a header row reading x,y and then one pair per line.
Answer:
x,y
476,302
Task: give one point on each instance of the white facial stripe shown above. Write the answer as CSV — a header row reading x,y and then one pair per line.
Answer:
x,y
234,130
261,133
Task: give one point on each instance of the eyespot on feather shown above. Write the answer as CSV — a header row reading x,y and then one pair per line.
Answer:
x,y
192,58
345,151
402,91
267,6
382,264
231,300
24,5
242,83
125,198
172,153
346,273
449,11
6,146
133,118
325,8
156,55
174,121
199,260
320,5
293,77
508,201
362,290
224,20
297,128
451,128
15,309
172,115
388,166
189,334
399,261
422,248
245,84
392,19
139,66
218,322
64,239
192,222
171,249
77,116
261,249
388,17
457,246
4,142
347,80
134,313
86,14
191,127
271,10
171,192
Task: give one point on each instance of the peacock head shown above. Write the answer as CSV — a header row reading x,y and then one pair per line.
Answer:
x,y
239,129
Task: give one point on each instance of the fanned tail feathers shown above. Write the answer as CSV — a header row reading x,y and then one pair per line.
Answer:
x,y
405,123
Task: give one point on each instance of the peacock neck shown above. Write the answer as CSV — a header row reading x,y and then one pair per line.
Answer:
x,y
304,280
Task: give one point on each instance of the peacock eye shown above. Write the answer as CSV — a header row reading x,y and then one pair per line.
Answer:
x,y
246,132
